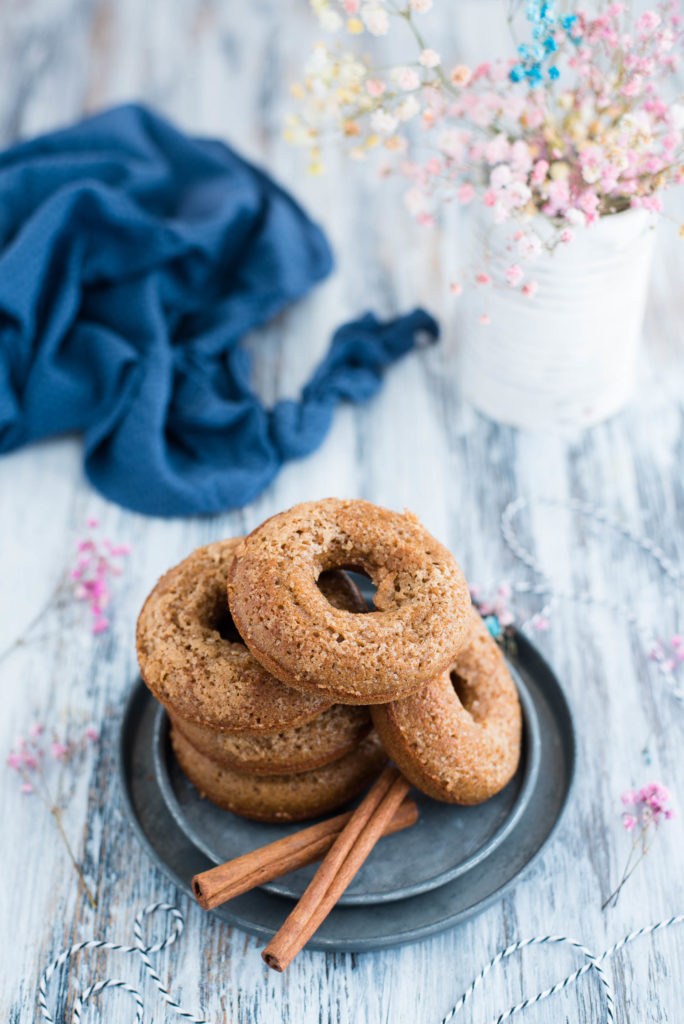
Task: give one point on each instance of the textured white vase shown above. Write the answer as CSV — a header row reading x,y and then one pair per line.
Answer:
x,y
566,358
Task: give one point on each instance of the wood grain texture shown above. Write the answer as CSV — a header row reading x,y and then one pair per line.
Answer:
x,y
220,67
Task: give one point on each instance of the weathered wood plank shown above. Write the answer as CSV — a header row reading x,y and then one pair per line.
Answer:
x,y
216,69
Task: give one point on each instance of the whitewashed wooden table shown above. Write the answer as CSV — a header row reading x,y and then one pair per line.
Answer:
x,y
221,68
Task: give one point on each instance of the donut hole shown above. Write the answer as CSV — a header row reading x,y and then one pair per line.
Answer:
x,y
218,616
463,690
365,584
213,613
226,628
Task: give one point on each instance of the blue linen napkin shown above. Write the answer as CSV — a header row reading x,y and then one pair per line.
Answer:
x,y
133,259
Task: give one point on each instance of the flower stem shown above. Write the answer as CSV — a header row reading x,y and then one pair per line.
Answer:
x,y
23,637
44,796
628,871
77,867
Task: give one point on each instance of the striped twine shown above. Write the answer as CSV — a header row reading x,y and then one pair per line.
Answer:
x,y
593,962
143,951
544,587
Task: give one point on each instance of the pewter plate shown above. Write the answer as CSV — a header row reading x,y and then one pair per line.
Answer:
x,y
365,926
446,842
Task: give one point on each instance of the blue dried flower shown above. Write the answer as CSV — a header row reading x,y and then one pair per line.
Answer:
x,y
493,625
545,23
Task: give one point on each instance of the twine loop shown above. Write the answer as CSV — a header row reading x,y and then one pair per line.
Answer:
x,y
140,949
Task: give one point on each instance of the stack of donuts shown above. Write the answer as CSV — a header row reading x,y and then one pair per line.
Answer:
x,y
287,694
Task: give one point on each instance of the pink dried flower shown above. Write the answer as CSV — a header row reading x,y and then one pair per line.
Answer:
x,y
648,22
429,58
644,810
375,88
485,320
529,289
634,86
92,734
495,607
455,288
95,563
460,75
539,172
530,246
27,757
605,136
483,278
514,275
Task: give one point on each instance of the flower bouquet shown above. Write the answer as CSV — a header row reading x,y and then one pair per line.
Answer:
x,y
561,155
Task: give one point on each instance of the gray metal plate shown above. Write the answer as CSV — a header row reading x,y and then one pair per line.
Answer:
x,y
367,926
447,842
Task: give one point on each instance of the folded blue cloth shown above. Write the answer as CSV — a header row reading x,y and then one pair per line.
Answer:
x,y
132,261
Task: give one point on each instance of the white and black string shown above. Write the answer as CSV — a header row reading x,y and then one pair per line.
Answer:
x,y
544,587
143,951
593,962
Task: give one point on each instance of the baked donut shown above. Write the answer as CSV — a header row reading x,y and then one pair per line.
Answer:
x,y
194,661
326,738
421,603
458,740
281,797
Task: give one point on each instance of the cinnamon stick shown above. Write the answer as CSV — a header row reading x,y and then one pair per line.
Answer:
x,y
218,885
341,863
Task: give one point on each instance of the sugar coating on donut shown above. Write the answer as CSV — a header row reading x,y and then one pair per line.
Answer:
x,y
282,797
326,738
420,607
194,661
459,739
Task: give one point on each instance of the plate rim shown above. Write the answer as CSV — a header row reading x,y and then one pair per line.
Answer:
x,y
529,776
396,937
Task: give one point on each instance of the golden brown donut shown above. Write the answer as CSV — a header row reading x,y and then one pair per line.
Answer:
x,y
193,660
458,740
282,797
326,738
421,603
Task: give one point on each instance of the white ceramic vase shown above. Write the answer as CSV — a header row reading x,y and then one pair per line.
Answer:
x,y
566,358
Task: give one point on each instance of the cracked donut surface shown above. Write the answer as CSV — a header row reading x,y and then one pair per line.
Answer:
x,y
458,740
415,630
194,661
